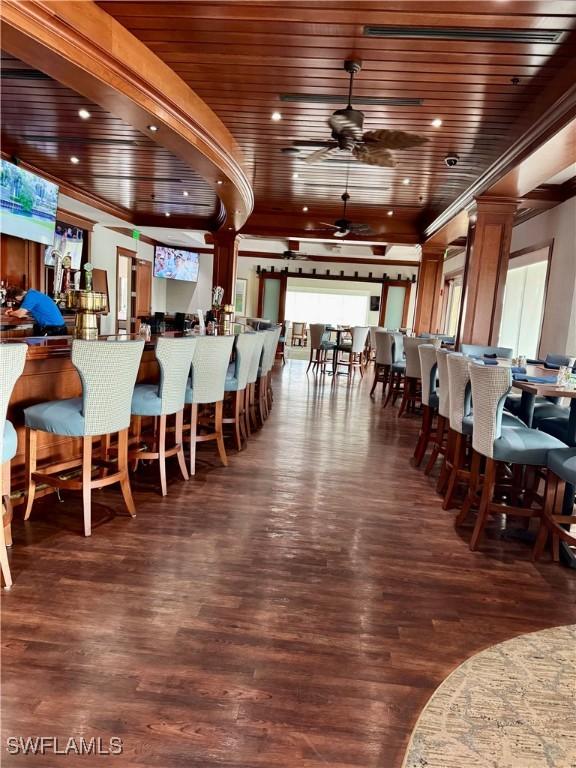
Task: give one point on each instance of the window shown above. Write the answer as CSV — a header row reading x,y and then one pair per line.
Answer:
x,y
330,308
523,306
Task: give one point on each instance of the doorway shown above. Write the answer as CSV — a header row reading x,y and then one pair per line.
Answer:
x,y
133,291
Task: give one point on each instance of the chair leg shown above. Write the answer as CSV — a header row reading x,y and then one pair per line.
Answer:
x,y
137,421
162,454
311,362
456,465
6,491
424,437
31,449
243,394
123,436
405,396
180,442
193,431
87,484
473,488
4,564
444,475
484,511
547,526
237,415
218,429
440,432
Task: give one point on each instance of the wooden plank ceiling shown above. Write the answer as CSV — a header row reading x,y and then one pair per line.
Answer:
x,y
241,57
118,164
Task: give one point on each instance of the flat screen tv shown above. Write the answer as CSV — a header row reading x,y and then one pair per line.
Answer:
x,y
68,241
175,263
28,204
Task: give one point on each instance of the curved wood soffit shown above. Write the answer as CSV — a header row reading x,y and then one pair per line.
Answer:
x,y
84,48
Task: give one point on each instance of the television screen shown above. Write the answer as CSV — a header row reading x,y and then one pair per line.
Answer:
x,y
68,241
175,263
28,204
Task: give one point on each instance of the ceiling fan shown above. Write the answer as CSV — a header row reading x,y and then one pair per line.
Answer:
x,y
290,255
369,147
344,226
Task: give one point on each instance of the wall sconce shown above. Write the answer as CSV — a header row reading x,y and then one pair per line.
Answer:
x,y
370,275
413,278
258,269
355,274
314,271
271,269
341,273
399,276
299,270
327,271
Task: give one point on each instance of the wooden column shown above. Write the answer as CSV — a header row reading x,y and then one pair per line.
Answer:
x,y
429,292
224,264
487,257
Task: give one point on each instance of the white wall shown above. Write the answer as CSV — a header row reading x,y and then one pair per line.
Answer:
x,y
559,323
103,254
188,297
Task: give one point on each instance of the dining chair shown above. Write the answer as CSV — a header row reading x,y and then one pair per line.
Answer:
x,y
299,334
398,368
206,388
442,422
479,350
264,374
558,514
251,418
320,345
383,361
499,444
355,350
107,371
411,394
428,371
12,361
236,384
460,421
161,400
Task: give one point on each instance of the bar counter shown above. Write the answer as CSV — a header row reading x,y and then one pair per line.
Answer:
x,y
49,375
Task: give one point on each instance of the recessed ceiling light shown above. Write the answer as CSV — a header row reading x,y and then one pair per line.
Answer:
x,y
153,128
185,193
74,160
406,181
305,209
84,114
167,214
390,213
295,175
219,181
276,116
437,122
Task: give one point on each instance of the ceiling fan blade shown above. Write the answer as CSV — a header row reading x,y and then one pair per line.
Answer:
x,y
361,229
341,124
393,139
326,224
310,143
374,155
319,155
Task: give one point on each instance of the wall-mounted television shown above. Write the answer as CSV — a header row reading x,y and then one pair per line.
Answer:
x,y
175,263
69,242
28,204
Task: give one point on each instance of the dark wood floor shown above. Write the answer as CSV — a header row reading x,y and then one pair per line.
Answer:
x,y
295,609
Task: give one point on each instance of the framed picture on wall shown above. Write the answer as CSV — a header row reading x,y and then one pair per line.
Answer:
x,y
240,296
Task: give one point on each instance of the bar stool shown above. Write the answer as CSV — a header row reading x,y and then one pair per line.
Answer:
x,y
460,401
384,345
209,370
251,419
108,371
264,373
319,347
396,387
442,391
428,369
237,382
355,350
558,514
411,395
12,361
164,399
500,444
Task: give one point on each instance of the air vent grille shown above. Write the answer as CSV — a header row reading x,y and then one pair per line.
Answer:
x,y
23,74
468,34
322,98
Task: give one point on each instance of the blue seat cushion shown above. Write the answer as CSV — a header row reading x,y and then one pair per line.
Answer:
x,y
231,383
547,410
525,446
558,426
188,393
563,464
399,366
146,401
508,420
10,442
328,345
61,417
433,401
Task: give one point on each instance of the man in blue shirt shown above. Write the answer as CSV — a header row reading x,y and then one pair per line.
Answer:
x,y
48,320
